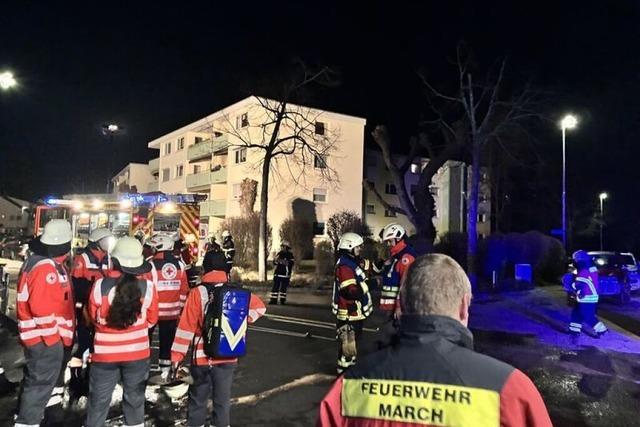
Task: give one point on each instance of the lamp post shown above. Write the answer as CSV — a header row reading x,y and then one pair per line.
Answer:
x,y
110,130
602,197
568,122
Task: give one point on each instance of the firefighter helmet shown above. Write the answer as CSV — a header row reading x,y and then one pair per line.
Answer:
x,y
161,242
128,254
581,256
285,243
226,234
393,231
103,237
348,241
56,232
176,389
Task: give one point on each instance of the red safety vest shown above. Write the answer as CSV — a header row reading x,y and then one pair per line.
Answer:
x,y
172,284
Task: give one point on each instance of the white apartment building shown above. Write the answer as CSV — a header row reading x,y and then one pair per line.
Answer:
x,y
211,156
15,216
133,178
449,190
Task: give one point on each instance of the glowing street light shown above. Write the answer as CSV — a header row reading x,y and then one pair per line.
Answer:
x,y
568,122
602,197
7,81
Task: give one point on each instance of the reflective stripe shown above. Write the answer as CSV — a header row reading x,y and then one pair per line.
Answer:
x,y
169,304
64,322
58,390
79,305
387,301
169,313
26,425
24,295
181,333
38,333
173,285
589,283
204,297
102,336
180,348
27,323
600,327
133,425
44,319
255,314
183,297
97,292
347,282
87,262
65,333
126,348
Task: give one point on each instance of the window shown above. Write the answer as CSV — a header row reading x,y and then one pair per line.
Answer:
x,y
320,161
180,143
242,121
196,168
165,174
390,189
318,228
371,209
241,155
415,168
167,148
433,190
179,171
237,191
320,195
482,217
320,128
198,140
389,213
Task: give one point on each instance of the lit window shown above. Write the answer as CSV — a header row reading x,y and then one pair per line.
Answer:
x,y
415,168
241,155
390,189
180,143
167,148
242,121
320,162
237,191
320,128
389,213
318,228
179,171
165,175
320,195
371,209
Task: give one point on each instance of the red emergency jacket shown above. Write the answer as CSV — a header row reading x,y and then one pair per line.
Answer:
x,y
189,330
44,303
172,284
121,345
88,266
585,285
351,297
432,377
402,256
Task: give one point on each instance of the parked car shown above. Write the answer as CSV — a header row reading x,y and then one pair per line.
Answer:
x,y
618,275
13,247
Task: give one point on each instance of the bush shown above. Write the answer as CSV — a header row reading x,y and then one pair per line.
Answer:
x,y
325,259
245,231
343,222
299,233
374,250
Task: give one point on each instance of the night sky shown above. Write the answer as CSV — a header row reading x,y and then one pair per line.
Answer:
x,y
152,68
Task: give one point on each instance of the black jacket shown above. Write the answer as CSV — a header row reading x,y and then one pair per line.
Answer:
x,y
284,264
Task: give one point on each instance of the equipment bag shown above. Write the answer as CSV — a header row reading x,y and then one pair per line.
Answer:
x,y
225,321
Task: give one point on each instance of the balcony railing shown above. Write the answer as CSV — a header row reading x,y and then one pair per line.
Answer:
x,y
154,165
204,150
213,208
206,178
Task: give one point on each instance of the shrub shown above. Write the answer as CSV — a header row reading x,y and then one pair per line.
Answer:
x,y
343,222
325,260
245,231
299,233
453,244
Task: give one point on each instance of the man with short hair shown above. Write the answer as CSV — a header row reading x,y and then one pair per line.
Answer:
x,y
431,375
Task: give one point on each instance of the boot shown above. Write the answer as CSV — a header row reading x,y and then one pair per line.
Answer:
x,y
273,301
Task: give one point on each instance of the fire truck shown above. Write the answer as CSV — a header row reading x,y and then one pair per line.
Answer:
x,y
135,214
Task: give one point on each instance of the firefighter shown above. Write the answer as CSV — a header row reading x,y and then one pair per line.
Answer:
x,y
212,377
122,307
432,376
172,289
402,256
283,263
229,249
585,286
46,321
89,265
212,245
351,299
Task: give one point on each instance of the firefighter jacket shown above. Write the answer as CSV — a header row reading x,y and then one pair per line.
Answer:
x,y
229,249
351,297
432,376
284,264
172,284
44,303
402,256
189,332
112,345
88,266
585,285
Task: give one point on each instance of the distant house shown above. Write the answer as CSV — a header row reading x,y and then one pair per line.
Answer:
x,y
15,216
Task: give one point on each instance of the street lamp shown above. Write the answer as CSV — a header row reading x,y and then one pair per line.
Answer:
x,y
110,130
602,197
568,122
7,81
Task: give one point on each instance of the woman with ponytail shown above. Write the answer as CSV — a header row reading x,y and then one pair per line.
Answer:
x,y
122,306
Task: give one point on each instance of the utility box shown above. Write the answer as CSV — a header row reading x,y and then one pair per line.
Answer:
x,y
524,272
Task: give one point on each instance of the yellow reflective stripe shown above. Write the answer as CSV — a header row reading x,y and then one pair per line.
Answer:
x,y
420,403
347,282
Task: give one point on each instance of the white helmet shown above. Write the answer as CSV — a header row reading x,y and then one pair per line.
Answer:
x,y
226,234
56,232
285,243
392,231
161,242
349,241
103,237
176,389
128,253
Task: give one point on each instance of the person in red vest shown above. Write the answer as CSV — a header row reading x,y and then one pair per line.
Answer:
x,y
122,306
402,256
173,289
46,321
90,264
211,377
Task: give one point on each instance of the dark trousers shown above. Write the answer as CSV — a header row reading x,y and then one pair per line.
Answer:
x,y
345,362
43,372
215,382
103,379
84,336
279,290
585,312
166,334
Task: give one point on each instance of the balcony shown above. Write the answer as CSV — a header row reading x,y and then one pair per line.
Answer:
x,y
203,150
154,166
205,179
213,208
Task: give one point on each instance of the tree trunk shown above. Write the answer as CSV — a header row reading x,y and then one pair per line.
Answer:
x,y
264,202
472,218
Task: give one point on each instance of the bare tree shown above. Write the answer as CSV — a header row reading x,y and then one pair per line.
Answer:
x,y
289,138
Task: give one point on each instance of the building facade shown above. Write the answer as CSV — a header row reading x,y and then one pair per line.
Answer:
x,y
133,178
15,216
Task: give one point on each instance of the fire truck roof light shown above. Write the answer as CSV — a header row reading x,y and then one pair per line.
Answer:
x,y
98,204
125,204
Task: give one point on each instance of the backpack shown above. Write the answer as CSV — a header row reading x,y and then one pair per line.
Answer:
x,y
224,328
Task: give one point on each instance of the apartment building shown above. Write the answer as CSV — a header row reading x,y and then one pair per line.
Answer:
x,y
15,216
133,178
216,153
449,190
